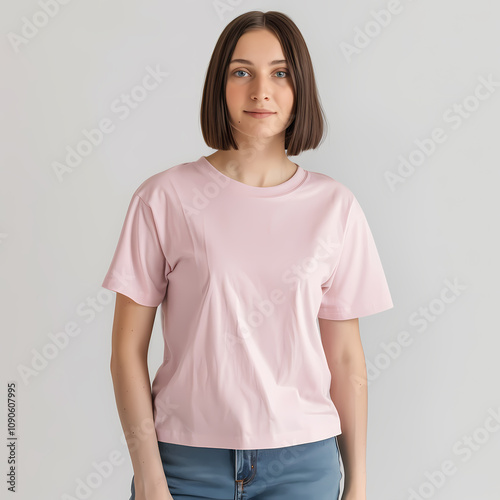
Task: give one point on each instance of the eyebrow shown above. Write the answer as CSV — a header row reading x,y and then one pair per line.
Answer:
x,y
246,61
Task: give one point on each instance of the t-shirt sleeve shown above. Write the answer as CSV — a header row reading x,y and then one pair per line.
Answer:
x,y
139,268
358,286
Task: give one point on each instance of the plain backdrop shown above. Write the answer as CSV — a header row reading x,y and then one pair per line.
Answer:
x,y
392,75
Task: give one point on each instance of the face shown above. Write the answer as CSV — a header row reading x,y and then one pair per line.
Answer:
x,y
262,81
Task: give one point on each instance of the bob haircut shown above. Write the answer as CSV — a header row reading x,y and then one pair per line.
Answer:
x,y
307,121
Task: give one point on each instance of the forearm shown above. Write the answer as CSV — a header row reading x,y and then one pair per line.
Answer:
x,y
350,395
132,388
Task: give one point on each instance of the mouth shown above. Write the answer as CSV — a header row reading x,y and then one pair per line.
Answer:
x,y
257,114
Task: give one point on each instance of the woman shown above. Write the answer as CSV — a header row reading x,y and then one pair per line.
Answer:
x,y
253,249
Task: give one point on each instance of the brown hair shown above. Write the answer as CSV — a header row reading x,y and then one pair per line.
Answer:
x,y
308,119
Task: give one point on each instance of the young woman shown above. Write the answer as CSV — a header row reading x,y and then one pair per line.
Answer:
x,y
247,253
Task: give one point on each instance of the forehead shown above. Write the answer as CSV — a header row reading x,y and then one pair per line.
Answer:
x,y
258,46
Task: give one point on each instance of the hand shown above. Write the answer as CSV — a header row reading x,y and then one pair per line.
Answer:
x,y
353,496
152,490
156,496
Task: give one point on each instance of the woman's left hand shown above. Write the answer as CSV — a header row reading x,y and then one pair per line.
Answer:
x,y
354,496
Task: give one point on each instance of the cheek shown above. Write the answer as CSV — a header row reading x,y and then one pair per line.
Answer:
x,y
232,94
288,99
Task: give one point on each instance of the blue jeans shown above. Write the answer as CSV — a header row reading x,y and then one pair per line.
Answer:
x,y
303,471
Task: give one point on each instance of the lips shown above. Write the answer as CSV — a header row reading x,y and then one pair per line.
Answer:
x,y
260,114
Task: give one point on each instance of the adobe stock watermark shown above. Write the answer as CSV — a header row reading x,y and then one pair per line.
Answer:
x,y
87,485
248,151
294,276
131,439
269,471
465,448
93,480
365,35
223,7
122,107
31,27
202,198
421,320
455,116
60,340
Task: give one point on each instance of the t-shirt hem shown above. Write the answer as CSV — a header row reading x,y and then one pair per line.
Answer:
x,y
136,297
343,314
262,442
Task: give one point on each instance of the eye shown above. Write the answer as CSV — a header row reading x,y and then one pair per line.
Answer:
x,y
281,71
239,71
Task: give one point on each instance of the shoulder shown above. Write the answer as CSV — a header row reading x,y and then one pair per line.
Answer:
x,y
330,184
161,186
336,193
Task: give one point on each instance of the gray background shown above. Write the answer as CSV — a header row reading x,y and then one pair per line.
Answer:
x,y
433,398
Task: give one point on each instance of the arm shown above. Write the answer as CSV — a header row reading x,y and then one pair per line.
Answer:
x,y
344,352
132,327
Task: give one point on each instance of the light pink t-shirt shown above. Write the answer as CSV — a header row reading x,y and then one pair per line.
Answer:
x,y
242,273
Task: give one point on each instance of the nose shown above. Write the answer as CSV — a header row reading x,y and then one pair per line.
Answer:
x,y
259,88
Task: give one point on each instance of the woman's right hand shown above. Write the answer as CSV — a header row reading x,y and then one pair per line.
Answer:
x,y
153,491
156,495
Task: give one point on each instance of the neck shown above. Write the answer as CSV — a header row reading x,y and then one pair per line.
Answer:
x,y
256,163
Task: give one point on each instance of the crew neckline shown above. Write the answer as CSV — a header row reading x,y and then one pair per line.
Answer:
x,y
292,183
